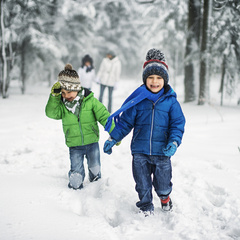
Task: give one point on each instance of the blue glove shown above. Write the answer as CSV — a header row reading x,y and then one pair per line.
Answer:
x,y
170,149
108,145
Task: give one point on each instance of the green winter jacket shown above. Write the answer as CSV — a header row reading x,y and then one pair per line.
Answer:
x,y
80,130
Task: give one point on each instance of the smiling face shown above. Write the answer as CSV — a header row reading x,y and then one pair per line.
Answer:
x,y
69,95
154,83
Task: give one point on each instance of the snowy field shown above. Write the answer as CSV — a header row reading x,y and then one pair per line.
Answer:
x,y
36,204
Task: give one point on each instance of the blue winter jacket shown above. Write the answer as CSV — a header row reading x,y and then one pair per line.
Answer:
x,y
154,124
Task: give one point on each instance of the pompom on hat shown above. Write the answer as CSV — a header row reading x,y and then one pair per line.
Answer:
x,y
69,79
155,65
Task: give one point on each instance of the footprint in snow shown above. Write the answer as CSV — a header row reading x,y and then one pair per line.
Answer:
x,y
217,195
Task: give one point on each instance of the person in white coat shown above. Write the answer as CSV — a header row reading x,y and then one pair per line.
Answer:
x,y
108,75
87,72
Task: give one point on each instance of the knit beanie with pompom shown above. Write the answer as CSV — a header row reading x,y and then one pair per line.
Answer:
x,y
155,65
69,79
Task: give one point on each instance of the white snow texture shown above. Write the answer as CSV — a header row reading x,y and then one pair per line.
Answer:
x,y
35,202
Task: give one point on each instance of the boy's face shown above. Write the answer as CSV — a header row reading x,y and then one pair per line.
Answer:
x,y
154,83
69,95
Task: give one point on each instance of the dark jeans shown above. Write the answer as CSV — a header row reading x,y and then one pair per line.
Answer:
x,y
151,171
110,91
77,171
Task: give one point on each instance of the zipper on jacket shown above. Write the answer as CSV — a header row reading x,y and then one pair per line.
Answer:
x,y
136,134
80,124
66,135
95,131
153,111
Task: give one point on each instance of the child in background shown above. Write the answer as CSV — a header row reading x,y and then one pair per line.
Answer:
x,y
79,111
157,120
87,72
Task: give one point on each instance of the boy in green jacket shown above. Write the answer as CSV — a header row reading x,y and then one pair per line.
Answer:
x,y
80,111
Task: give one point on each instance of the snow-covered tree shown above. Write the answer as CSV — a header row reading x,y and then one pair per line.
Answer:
x,y
41,37
7,46
192,49
205,53
33,45
226,45
3,81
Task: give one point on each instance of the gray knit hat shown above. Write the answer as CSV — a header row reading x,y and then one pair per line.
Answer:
x,y
155,65
69,79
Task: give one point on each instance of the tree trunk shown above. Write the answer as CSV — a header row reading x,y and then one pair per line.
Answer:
x,y
23,64
205,53
4,68
193,36
221,90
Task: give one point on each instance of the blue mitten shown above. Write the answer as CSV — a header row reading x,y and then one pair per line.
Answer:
x,y
170,149
108,145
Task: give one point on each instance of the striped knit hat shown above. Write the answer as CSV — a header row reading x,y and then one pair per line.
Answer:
x,y
69,79
155,65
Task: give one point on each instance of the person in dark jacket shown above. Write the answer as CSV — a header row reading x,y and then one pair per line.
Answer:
x,y
157,120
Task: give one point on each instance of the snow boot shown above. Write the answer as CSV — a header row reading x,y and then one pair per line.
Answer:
x,y
166,204
95,178
147,213
75,181
80,187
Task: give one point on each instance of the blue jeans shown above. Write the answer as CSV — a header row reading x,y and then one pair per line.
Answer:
x,y
77,171
110,91
151,171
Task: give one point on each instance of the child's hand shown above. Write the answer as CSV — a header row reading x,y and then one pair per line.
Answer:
x,y
56,89
108,145
170,149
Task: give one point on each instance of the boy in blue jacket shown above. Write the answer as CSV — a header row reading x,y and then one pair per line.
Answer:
x,y
157,120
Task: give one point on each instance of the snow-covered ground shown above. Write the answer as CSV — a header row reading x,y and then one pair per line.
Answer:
x,y
35,202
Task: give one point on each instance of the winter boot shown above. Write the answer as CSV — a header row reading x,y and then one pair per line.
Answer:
x,y
75,181
147,213
166,204
71,187
95,178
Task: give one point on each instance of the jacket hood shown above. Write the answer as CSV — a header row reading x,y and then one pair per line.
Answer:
x,y
87,94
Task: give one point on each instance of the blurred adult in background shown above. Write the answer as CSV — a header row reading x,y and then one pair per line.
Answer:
x,y
87,72
108,75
